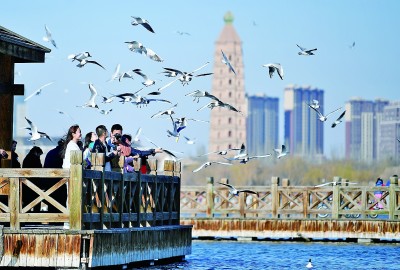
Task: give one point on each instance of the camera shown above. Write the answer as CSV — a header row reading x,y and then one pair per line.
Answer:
x,y
117,138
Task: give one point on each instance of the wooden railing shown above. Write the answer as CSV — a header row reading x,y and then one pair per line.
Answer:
x,y
285,202
96,199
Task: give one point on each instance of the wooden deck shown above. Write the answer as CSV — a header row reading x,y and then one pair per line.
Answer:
x,y
113,218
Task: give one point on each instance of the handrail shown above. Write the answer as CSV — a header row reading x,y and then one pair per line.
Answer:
x,y
96,199
286,202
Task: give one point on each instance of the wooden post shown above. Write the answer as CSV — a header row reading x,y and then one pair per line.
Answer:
x,y
285,184
98,161
168,167
392,196
226,194
137,163
177,168
117,164
153,166
14,200
275,196
336,198
210,196
6,103
75,191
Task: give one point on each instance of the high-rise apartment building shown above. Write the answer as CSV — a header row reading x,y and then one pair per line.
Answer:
x,y
262,124
303,131
362,120
389,133
228,128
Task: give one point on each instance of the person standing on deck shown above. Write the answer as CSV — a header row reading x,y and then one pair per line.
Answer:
x,y
101,146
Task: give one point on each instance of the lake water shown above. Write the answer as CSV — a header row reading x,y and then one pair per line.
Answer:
x,y
288,255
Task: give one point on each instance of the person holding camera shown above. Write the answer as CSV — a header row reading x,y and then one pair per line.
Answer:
x,y
3,154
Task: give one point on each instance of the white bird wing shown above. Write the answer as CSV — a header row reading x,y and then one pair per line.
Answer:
x,y
333,111
115,74
38,91
301,48
168,84
227,62
197,69
196,93
222,163
48,36
205,106
341,116
32,125
152,55
161,112
229,186
318,112
138,132
93,94
201,167
262,156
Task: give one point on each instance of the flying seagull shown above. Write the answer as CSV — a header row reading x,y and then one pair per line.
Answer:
x,y
116,74
183,121
281,152
198,94
322,117
64,113
91,102
168,111
143,22
190,141
105,112
79,56
247,158
39,91
222,152
209,163
35,134
83,62
235,192
136,46
48,37
352,45
225,60
339,120
147,82
335,183
274,67
305,51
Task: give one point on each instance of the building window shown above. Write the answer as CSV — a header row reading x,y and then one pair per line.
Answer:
x,y
230,81
230,94
229,133
229,146
230,58
229,120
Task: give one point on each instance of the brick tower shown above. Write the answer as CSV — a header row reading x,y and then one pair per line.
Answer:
x,y
228,128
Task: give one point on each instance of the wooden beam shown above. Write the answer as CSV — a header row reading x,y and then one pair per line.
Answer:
x,y
21,54
14,89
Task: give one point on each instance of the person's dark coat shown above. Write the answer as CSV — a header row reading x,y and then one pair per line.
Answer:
x,y
53,158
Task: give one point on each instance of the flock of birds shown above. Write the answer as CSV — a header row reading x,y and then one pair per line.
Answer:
x,y
178,124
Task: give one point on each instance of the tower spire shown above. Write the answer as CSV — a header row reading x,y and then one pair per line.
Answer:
x,y
228,18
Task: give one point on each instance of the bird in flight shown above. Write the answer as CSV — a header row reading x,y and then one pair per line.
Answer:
x,y
209,163
91,102
143,22
165,112
274,67
322,117
198,94
48,37
281,152
190,141
305,51
38,91
79,56
335,183
35,134
226,61
147,82
235,192
222,152
83,62
352,45
339,120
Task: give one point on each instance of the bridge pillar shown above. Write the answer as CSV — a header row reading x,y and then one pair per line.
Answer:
x,y
275,196
210,196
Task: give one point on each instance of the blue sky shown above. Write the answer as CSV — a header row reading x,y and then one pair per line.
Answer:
x,y
269,31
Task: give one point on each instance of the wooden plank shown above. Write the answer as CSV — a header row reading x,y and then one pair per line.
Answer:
x,y
76,250
14,203
30,257
42,173
14,89
24,249
52,249
38,250
46,250
75,191
61,248
68,250
22,54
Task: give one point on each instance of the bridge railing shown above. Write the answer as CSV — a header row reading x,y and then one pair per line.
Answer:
x,y
335,202
96,199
